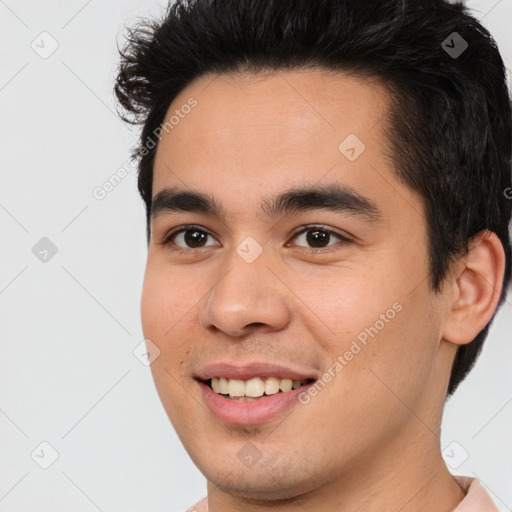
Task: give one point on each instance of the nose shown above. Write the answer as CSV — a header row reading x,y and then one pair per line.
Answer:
x,y
248,297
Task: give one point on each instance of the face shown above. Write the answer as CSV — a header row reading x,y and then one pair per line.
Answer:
x,y
283,248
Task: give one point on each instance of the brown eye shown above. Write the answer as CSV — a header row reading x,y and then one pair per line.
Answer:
x,y
318,238
195,238
191,238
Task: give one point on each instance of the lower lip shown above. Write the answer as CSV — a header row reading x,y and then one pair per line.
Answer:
x,y
254,412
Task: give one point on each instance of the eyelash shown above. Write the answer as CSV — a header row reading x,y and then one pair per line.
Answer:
x,y
310,227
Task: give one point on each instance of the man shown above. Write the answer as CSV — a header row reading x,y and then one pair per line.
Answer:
x,y
325,184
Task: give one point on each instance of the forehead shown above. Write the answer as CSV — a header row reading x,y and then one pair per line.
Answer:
x,y
250,133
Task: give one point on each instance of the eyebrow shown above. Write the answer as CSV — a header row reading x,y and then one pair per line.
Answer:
x,y
336,198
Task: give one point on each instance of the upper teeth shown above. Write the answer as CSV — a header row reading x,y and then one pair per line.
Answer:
x,y
254,387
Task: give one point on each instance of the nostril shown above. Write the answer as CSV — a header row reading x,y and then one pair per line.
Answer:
x,y
256,324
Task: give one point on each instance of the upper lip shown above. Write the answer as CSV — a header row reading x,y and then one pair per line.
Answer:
x,y
248,371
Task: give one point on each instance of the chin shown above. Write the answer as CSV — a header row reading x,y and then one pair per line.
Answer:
x,y
264,483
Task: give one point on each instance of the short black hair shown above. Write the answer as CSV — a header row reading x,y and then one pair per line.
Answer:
x,y
450,122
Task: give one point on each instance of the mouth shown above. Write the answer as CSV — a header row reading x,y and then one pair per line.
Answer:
x,y
254,389
229,400
252,393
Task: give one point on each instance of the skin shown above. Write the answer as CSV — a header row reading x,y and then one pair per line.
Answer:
x,y
370,439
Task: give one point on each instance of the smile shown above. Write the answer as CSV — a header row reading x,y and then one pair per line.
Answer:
x,y
251,389
248,410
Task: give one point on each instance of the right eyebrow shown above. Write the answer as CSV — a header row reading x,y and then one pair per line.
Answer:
x,y
175,200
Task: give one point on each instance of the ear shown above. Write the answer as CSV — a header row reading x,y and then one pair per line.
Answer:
x,y
475,284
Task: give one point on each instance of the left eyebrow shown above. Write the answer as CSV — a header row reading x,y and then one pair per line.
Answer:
x,y
336,198
333,197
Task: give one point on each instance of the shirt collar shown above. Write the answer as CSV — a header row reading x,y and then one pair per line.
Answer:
x,y
477,498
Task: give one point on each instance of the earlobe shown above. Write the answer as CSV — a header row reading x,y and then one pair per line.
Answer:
x,y
476,286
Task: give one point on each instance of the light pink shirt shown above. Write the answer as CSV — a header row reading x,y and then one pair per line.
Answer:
x,y
477,499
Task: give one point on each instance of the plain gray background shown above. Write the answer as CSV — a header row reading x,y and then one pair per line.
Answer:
x,y
70,320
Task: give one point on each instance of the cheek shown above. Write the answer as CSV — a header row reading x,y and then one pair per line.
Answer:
x,y
166,312
364,402
340,304
163,314
377,321
166,299
395,360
